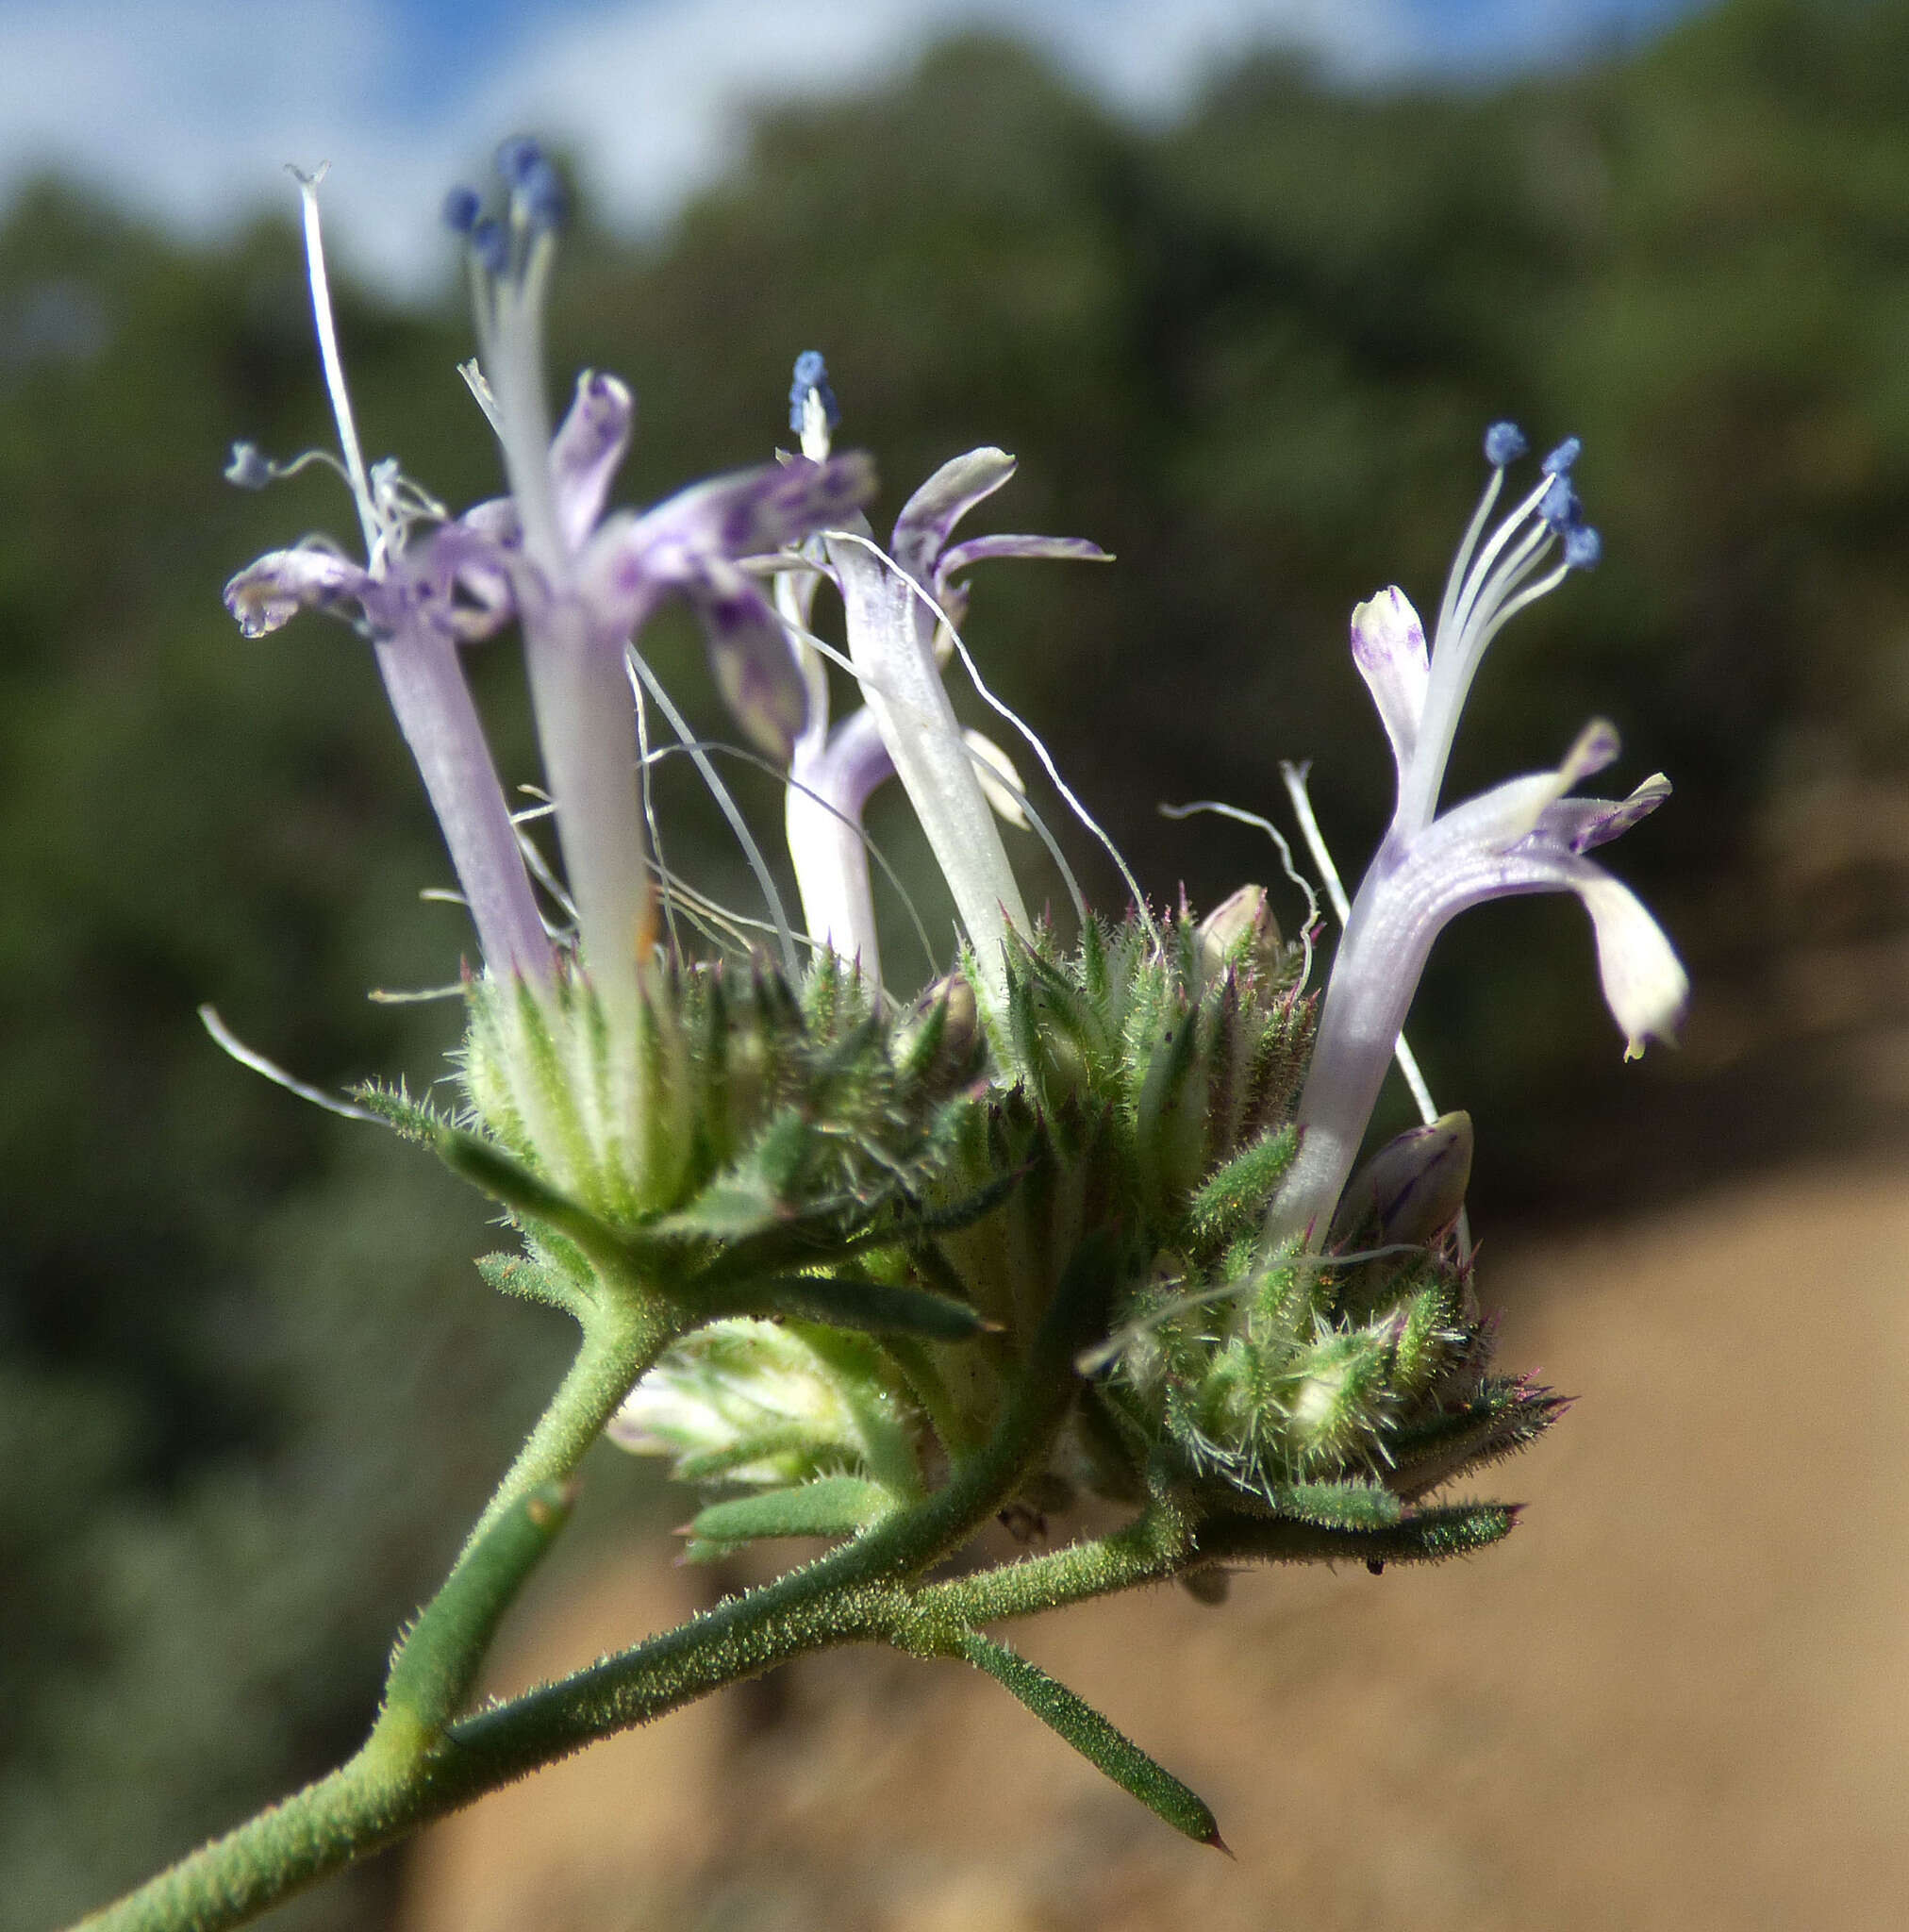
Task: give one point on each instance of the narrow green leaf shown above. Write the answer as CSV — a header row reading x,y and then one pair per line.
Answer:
x,y
413,1120
436,1661
831,1506
1107,1750
516,1275
506,1179
1339,1506
956,1215
1420,1536
1506,1415
1238,1192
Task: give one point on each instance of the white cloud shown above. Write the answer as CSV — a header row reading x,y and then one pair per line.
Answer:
x,y
188,106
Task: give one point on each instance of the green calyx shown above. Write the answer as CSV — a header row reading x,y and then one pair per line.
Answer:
x,y
858,1236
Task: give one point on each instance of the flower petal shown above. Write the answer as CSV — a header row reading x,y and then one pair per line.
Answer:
x,y
930,515
1583,823
269,592
960,557
749,654
474,558
1496,820
854,764
1388,646
585,451
1645,984
738,515
828,787
902,684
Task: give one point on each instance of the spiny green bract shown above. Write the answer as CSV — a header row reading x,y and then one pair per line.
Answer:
x,y
1144,1091
737,1104
1156,1087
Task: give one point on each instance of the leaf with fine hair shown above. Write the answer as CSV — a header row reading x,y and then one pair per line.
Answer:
x,y
832,1506
1107,1750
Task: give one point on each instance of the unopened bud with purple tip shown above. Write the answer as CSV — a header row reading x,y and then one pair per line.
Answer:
x,y
1412,1189
1241,931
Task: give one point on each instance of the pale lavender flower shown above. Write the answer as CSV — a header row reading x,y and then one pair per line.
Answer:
x,y
582,589
406,594
580,583
958,780
1526,836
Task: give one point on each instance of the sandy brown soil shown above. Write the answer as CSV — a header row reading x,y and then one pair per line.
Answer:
x,y
1678,1697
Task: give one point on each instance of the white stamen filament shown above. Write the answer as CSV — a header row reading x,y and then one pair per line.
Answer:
x,y
333,363
509,309
1461,563
1493,589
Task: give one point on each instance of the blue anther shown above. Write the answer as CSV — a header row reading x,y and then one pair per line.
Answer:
x,y
1563,457
1582,547
248,469
519,158
541,192
491,246
811,372
1503,444
1559,505
461,208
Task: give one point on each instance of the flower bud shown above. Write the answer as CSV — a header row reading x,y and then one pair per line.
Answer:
x,y
1412,1189
1240,930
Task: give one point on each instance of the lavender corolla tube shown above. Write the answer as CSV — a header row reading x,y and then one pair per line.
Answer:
x,y
1524,836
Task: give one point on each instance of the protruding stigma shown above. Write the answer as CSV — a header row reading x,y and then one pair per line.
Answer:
x,y
813,413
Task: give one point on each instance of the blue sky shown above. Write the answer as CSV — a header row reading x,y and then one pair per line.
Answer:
x,y
188,108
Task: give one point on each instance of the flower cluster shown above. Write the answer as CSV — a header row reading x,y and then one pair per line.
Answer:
x,y
1168,1099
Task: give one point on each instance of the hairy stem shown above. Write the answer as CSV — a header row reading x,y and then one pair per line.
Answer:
x,y
409,1772
622,1341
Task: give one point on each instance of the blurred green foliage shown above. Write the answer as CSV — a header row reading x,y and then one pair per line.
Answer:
x,y
251,1390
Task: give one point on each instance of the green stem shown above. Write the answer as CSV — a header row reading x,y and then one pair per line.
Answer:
x,y
408,1774
622,1339
1156,1544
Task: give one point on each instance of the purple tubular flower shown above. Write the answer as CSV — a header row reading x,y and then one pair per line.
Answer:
x,y
415,623
582,585
1526,836
1522,837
